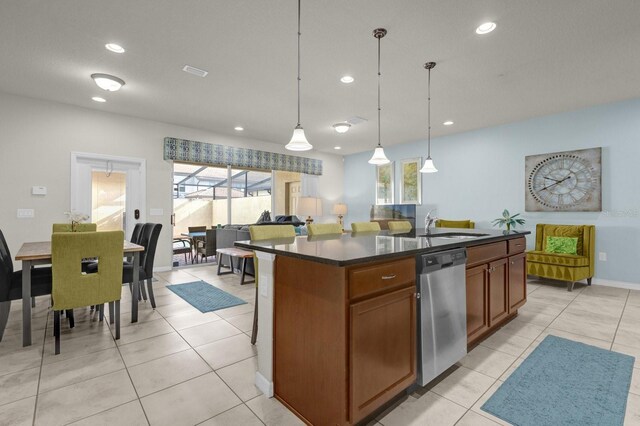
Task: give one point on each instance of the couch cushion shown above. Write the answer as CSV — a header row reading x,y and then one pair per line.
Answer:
x,y
557,259
564,231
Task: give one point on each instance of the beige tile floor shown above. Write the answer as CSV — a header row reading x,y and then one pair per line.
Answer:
x,y
178,366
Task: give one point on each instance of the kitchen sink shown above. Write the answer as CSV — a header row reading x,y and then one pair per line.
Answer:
x,y
454,235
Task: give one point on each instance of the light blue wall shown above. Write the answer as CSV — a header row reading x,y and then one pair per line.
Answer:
x,y
482,172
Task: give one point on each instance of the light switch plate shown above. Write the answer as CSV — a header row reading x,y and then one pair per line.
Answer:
x,y
38,190
25,213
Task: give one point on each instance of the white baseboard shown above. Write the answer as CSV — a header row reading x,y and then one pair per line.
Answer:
x,y
619,284
162,269
265,386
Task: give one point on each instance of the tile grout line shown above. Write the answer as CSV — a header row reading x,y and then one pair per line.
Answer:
x,y
626,300
44,342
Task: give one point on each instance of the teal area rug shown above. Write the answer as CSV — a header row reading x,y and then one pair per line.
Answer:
x,y
565,383
205,297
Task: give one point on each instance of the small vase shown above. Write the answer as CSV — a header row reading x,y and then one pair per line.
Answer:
x,y
74,226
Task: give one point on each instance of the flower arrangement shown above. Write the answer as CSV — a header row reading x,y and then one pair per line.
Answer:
x,y
76,218
508,220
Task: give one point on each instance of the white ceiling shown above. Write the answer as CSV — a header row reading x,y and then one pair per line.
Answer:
x,y
545,56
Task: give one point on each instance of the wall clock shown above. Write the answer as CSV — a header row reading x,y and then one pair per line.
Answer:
x,y
564,181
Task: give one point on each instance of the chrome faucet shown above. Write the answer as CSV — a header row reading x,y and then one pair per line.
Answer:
x,y
428,221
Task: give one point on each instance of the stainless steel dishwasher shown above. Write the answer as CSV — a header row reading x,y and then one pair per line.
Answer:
x,y
442,312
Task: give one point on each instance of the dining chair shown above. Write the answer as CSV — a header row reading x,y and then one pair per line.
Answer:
x,y
72,288
80,227
195,241
365,226
261,233
207,247
399,226
11,283
323,229
149,240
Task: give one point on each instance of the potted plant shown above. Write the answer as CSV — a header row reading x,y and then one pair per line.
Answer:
x,y
76,218
508,220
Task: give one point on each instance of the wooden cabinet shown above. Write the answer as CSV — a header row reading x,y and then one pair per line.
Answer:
x,y
517,281
383,349
477,302
344,337
496,285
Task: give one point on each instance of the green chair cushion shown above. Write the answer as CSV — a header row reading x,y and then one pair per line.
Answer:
x,y
557,259
563,245
80,227
324,228
399,226
365,226
442,223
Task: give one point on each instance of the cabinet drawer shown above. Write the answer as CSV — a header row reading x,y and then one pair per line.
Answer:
x,y
486,253
517,245
381,277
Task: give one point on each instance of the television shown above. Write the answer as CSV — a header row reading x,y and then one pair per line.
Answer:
x,y
389,212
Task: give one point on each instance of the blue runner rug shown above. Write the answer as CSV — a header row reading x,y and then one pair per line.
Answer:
x,y
205,297
564,382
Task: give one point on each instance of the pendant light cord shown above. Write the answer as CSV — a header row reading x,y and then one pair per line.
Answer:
x,y
429,116
379,92
299,63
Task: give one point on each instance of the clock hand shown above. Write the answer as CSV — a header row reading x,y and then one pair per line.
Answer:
x,y
555,180
554,184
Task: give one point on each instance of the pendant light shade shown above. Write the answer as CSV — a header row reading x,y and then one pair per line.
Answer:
x,y
299,141
378,155
428,166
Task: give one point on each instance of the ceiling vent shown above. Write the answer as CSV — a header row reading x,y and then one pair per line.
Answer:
x,y
195,71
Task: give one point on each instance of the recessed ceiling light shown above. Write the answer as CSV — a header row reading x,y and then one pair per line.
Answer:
x,y
341,127
337,147
115,48
238,128
347,79
108,82
98,99
448,123
486,28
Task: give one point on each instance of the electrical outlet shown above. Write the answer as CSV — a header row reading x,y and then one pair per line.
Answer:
x,y
25,213
602,256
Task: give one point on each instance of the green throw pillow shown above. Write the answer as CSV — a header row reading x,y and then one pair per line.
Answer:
x,y
564,245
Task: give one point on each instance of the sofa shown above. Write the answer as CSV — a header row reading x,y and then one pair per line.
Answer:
x,y
560,266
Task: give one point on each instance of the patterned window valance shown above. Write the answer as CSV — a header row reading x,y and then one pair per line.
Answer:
x,y
221,155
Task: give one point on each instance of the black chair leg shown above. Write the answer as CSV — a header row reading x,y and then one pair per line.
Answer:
x,y
5,307
589,281
152,298
111,312
117,315
72,321
33,302
143,292
254,330
56,330
101,310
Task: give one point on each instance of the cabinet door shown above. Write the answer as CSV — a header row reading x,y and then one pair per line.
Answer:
x,y
477,297
383,349
517,281
498,291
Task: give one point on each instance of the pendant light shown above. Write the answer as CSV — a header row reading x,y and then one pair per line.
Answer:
x,y
299,141
378,155
428,163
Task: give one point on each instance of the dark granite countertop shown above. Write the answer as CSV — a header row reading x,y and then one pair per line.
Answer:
x,y
354,248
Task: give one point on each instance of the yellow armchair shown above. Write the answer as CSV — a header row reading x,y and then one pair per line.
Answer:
x,y
324,229
559,266
365,226
443,223
399,226
80,227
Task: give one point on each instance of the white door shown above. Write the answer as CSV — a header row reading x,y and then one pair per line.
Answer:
x,y
111,190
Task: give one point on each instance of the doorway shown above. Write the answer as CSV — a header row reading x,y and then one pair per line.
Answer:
x,y
111,190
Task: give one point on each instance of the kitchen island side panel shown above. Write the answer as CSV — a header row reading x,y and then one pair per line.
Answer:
x,y
310,340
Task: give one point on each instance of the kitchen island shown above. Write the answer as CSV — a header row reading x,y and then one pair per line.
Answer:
x,y
337,314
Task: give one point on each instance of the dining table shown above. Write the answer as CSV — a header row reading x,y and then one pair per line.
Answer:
x,y
39,253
